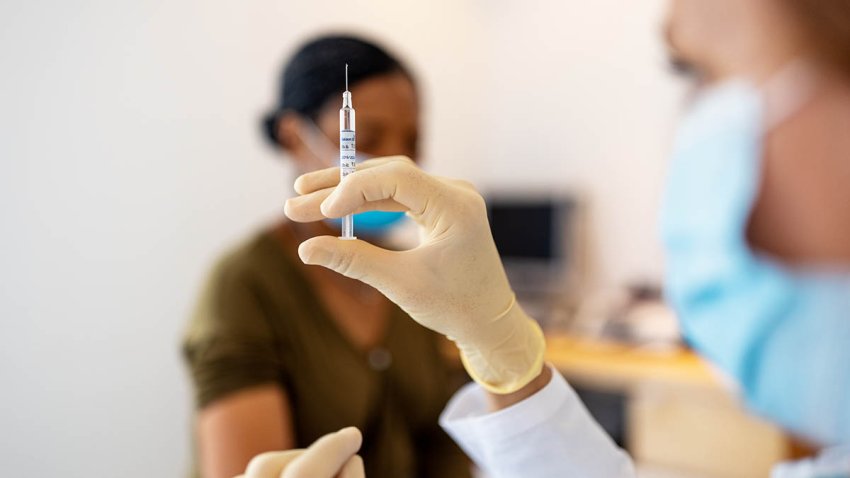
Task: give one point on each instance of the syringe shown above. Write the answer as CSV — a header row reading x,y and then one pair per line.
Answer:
x,y
347,150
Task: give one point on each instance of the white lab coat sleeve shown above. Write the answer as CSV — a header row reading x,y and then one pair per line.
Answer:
x,y
550,434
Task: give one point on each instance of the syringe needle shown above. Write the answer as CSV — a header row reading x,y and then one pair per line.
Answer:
x,y
346,77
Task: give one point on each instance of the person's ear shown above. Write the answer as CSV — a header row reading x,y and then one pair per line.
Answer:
x,y
288,127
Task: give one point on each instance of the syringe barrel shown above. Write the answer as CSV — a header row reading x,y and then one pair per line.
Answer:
x,y
347,153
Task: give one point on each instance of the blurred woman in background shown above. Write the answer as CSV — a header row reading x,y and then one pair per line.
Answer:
x,y
281,353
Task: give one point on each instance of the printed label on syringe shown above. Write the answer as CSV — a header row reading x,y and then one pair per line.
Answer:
x,y
347,153
346,140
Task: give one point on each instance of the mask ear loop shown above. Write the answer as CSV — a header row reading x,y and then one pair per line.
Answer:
x,y
786,92
316,136
327,148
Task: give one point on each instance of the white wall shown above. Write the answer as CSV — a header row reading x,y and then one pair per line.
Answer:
x,y
129,157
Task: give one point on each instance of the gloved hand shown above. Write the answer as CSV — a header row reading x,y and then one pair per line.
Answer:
x,y
453,282
332,456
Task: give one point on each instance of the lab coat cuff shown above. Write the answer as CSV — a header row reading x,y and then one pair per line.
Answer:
x,y
468,420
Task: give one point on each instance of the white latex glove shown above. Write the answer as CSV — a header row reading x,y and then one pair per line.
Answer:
x,y
453,282
332,456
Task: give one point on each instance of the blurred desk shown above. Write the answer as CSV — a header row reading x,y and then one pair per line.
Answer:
x,y
679,418
618,367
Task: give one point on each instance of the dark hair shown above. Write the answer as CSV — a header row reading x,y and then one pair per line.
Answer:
x,y
316,73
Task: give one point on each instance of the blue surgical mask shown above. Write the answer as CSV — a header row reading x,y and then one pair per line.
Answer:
x,y
372,223
782,333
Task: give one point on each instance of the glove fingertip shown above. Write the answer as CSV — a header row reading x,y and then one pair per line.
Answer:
x,y
353,436
311,252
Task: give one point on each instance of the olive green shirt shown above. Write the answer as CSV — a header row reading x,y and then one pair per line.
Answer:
x,y
259,321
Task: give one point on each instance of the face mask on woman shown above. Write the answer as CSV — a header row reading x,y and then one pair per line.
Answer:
x,y
782,333
369,223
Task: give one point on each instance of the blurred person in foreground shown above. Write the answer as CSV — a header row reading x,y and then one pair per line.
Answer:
x,y
756,227
282,353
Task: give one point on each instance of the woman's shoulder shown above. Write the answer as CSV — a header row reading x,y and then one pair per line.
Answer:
x,y
240,277
260,261
251,256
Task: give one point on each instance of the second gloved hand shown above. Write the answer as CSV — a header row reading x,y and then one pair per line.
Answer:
x,y
453,282
332,456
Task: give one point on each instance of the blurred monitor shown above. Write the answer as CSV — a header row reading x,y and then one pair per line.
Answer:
x,y
534,238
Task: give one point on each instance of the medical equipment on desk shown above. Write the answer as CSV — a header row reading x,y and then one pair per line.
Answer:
x,y
347,151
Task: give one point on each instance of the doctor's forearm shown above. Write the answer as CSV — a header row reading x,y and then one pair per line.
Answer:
x,y
498,401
